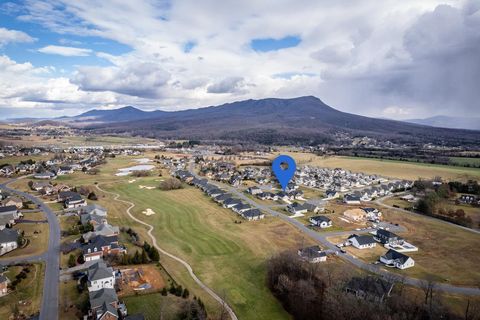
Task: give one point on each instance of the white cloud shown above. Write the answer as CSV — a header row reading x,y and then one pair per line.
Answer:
x,y
140,79
10,36
364,59
65,51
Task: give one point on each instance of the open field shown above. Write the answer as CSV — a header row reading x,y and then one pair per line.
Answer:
x,y
465,161
27,296
35,140
206,236
470,211
388,168
17,160
447,253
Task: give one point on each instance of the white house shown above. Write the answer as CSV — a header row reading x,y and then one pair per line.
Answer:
x,y
321,221
362,242
313,254
8,240
100,276
397,259
351,199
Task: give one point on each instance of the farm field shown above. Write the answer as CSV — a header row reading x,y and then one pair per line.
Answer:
x,y
35,140
388,168
206,236
26,298
465,161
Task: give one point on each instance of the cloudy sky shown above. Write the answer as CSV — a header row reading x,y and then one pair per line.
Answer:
x,y
396,59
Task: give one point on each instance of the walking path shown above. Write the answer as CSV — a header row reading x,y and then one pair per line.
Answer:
x,y
183,262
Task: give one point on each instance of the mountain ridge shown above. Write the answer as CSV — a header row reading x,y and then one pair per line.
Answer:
x,y
272,120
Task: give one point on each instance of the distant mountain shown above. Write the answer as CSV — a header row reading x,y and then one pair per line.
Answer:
x,y
128,113
449,122
303,120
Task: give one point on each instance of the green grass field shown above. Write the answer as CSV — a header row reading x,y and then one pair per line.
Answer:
x,y
465,161
229,257
154,306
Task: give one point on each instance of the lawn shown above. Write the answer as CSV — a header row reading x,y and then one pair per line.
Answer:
x,y
71,301
388,168
154,306
447,252
28,293
35,233
229,257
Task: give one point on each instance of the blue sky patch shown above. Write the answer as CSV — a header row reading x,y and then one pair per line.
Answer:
x,y
270,44
189,46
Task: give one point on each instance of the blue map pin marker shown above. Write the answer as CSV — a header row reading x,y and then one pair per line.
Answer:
x,y
284,175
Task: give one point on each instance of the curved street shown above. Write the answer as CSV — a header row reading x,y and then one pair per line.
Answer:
x,y
49,306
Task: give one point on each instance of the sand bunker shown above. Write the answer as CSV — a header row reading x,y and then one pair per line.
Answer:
x,y
146,187
132,181
148,212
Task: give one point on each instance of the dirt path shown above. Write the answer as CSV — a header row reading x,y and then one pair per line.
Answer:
x,y
116,196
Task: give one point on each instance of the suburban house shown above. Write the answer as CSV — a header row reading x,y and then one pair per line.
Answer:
x,y
321,221
8,216
355,214
100,277
312,207
101,246
351,199
13,201
362,242
397,259
253,214
104,304
45,175
7,170
254,190
103,229
71,199
331,194
369,288
63,170
40,185
60,188
313,254
387,237
3,285
8,240
372,214
466,198
297,208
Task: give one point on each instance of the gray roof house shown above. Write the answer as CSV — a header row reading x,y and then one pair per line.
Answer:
x,y
369,288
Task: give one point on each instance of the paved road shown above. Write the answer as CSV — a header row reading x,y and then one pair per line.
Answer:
x,y
230,311
322,238
49,307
